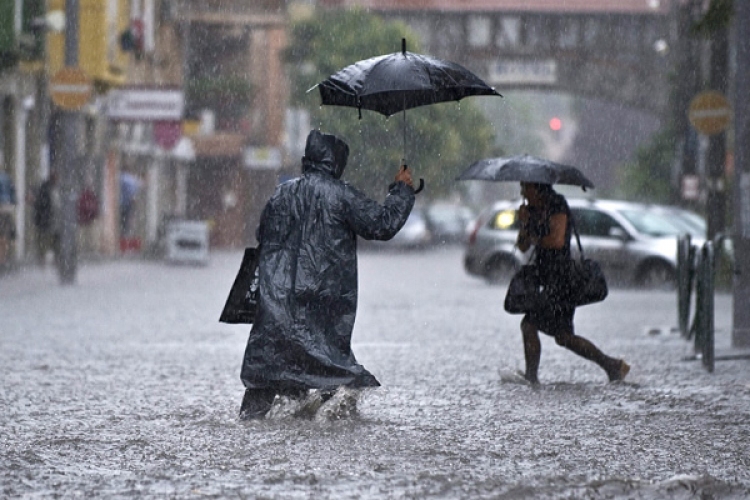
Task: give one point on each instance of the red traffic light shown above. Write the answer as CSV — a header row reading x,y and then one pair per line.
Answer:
x,y
555,124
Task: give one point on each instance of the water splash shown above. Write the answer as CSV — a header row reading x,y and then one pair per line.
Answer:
x,y
321,406
513,377
341,406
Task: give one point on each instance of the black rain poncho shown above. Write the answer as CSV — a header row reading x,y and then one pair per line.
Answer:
x,y
301,338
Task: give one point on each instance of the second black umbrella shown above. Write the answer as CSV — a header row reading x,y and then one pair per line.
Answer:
x,y
525,168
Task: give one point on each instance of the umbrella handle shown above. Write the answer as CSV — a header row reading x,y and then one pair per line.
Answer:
x,y
421,181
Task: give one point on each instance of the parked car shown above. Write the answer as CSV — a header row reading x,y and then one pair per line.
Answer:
x,y
414,235
635,243
689,221
448,222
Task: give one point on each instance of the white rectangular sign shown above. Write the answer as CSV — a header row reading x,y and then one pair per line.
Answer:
x,y
523,72
145,104
262,158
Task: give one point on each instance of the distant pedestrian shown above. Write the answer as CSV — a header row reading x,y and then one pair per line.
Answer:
x,y
130,185
87,211
546,223
7,189
301,338
87,206
7,217
47,219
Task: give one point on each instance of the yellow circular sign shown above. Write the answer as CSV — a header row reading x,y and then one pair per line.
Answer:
x,y
710,112
70,88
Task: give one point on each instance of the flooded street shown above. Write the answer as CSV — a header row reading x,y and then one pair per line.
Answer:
x,y
126,385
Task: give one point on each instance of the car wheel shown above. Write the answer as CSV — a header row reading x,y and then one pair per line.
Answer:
x,y
657,276
499,270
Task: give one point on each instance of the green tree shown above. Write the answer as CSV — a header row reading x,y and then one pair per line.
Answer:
x,y
647,178
437,141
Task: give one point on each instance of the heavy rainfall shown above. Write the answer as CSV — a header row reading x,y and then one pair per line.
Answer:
x,y
145,144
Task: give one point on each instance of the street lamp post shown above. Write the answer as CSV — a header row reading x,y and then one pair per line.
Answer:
x,y
68,257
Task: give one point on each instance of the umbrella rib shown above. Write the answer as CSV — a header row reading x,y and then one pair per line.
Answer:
x,y
337,87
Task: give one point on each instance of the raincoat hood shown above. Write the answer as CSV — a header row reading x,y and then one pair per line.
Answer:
x,y
325,153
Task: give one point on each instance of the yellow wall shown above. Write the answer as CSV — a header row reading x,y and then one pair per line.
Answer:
x,y
99,53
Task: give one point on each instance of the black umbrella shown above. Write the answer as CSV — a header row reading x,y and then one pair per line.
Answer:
x,y
525,168
400,81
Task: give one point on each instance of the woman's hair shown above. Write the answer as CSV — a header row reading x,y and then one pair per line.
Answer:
x,y
540,188
544,188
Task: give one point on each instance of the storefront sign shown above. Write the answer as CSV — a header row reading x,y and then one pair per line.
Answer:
x,y
146,104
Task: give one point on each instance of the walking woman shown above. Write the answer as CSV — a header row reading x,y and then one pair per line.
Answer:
x,y
546,224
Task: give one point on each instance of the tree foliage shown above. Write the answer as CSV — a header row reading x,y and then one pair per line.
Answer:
x,y
436,141
718,16
647,179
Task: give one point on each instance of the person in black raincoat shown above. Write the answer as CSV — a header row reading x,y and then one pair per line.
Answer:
x,y
301,337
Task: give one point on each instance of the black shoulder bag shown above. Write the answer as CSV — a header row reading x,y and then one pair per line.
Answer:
x,y
589,282
242,303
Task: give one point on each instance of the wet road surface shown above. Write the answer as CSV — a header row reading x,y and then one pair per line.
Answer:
x,y
126,386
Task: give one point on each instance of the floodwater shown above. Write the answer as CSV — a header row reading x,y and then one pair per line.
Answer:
x,y
126,386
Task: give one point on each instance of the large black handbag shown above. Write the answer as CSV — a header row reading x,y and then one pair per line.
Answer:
x,y
242,303
589,282
524,290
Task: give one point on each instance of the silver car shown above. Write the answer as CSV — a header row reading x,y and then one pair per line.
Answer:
x,y
415,235
636,244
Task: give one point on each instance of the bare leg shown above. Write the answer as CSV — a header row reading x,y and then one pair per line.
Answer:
x,y
616,368
532,349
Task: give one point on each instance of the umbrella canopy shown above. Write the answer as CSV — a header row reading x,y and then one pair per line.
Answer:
x,y
525,168
400,81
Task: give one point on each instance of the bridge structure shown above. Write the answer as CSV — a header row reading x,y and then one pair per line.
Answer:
x,y
613,50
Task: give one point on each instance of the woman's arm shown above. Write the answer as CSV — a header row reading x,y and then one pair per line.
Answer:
x,y
523,240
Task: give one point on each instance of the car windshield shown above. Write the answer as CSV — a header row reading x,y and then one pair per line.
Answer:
x,y
693,221
653,224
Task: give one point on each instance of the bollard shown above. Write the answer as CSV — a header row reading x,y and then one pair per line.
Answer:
x,y
685,272
696,329
709,273
703,322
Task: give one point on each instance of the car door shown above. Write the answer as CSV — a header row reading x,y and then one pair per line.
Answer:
x,y
603,239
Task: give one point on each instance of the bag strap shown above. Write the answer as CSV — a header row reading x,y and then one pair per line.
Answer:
x,y
532,257
575,231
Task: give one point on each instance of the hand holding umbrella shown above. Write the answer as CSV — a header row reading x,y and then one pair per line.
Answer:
x,y
404,175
